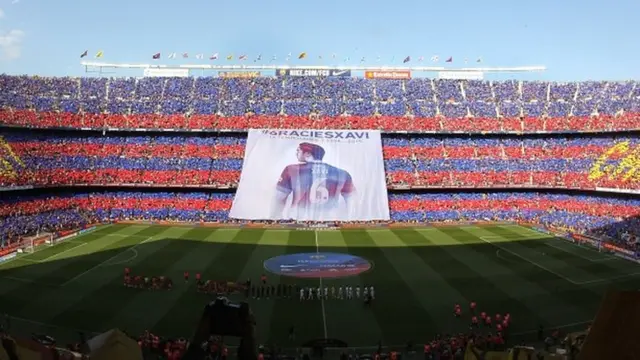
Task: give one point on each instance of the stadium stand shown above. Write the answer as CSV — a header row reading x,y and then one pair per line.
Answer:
x,y
392,105
589,214
576,136
576,162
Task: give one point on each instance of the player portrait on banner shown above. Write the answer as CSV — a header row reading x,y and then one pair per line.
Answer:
x,y
314,186
318,175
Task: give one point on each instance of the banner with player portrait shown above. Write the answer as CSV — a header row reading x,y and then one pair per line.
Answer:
x,y
317,175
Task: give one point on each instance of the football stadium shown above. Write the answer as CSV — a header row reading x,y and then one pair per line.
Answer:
x,y
118,189
314,211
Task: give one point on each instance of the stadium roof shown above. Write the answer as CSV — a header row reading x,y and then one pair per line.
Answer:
x,y
518,69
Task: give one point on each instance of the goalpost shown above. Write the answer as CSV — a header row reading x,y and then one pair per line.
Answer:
x,y
29,243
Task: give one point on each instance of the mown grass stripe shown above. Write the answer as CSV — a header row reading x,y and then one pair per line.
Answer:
x,y
100,292
567,303
270,244
287,312
499,289
409,318
225,266
49,274
337,311
185,253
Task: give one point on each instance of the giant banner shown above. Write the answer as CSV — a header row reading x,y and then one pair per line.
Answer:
x,y
318,175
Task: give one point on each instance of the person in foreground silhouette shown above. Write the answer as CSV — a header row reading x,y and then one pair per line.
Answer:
x,y
222,318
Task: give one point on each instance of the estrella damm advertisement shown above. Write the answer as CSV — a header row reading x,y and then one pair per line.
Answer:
x,y
383,74
238,74
621,161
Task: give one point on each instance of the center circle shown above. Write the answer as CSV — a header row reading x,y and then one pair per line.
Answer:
x,y
317,265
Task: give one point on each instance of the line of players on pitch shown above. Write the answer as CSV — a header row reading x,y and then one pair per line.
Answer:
x,y
368,293
343,293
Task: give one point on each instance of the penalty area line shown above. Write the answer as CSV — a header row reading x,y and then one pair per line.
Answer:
x,y
324,313
105,262
601,259
62,252
532,262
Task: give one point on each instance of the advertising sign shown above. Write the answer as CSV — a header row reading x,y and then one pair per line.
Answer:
x,y
238,74
381,74
8,257
618,249
313,73
152,72
461,75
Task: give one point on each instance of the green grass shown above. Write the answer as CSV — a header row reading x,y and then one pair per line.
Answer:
x,y
418,273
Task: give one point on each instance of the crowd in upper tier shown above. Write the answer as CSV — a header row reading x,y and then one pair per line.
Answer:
x,y
612,216
340,102
214,160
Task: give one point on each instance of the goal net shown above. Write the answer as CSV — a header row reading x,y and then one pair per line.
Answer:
x,y
29,243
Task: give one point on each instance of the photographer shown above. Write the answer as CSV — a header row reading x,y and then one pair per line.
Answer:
x,y
222,318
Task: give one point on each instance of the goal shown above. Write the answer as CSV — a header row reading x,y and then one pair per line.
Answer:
x,y
29,243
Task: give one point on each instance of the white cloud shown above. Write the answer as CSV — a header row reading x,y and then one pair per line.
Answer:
x,y
15,1
1,13
11,44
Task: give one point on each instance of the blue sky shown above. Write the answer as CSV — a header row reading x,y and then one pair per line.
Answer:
x,y
576,40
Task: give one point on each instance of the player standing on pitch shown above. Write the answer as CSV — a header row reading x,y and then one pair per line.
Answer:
x,y
315,186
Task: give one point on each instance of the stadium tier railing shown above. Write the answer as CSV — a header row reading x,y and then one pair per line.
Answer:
x,y
389,187
415,126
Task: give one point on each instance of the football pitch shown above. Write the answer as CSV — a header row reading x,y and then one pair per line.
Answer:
x,y
419,273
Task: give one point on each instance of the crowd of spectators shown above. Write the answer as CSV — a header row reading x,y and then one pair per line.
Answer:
x,y
612,216
215,160
341,102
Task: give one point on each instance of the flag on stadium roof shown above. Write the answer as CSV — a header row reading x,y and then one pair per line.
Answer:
x,y
171,56
450,59
214,56
230,57
156,56
378,58
99,54
479,60
347,59
200,56
85,53
302,55
274,58
406,60
421,58
333,55
319,57
242,57
362,59
259,58
185,55
435,58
